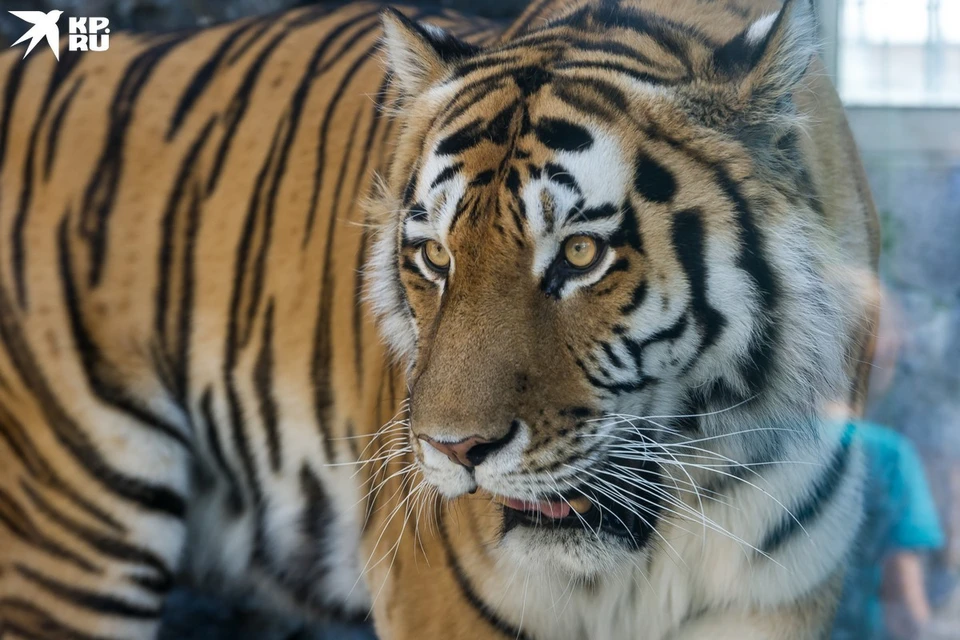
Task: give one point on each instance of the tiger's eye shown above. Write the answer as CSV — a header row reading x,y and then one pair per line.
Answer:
x,y
580,251
436,256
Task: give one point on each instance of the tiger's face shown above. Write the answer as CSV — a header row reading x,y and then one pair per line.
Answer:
x,y
571,273
523,267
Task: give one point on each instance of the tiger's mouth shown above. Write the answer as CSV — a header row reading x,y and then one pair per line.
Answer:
x,y
546,509
574,513
619,513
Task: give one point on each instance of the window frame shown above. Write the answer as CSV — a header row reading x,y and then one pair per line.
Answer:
x,y
922,129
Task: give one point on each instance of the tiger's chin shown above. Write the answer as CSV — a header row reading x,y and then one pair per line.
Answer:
x,y
583,532
580,533
575,537
560,549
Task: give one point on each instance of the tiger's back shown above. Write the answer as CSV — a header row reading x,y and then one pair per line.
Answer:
x,y
182,332
191,377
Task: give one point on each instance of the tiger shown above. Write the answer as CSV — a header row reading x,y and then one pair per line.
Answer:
x,y
549,330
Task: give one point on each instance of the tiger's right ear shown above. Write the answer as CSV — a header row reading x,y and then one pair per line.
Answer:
x,y
768,59
419,54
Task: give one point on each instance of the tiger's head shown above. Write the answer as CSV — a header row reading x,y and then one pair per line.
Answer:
x,y
599,244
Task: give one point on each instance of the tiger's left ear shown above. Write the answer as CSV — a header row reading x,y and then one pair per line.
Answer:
x,y
419,54
767,60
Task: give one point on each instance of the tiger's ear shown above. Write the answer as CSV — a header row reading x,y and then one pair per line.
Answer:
x,y
418,53
767,60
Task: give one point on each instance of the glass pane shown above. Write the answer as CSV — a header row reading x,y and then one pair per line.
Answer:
x,y
900,52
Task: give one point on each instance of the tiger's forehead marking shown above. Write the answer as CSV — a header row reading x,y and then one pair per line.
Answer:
x,y
440,191
572,183
578,192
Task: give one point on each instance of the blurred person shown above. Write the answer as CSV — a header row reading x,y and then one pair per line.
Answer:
x,y
953,545
885,595
891,405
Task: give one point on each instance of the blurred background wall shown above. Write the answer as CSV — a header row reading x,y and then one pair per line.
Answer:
x,y
896,64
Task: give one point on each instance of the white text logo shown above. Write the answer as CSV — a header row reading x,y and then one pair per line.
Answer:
x,y
85,34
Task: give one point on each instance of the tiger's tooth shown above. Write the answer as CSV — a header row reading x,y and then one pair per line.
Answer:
x,y
581,505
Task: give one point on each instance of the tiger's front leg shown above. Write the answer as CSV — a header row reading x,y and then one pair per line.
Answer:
x,y
92,503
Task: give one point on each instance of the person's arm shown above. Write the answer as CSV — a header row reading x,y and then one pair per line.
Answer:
x,y
916,531
906,605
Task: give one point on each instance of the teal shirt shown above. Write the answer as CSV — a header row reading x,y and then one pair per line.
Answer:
x,y
900,515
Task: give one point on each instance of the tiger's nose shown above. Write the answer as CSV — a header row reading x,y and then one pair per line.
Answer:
x,y
471,451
